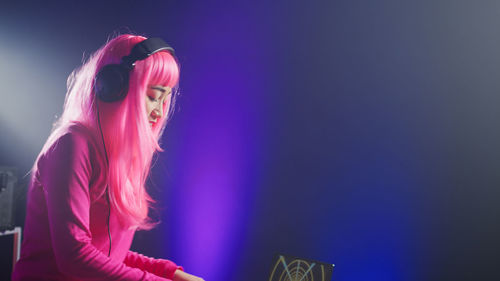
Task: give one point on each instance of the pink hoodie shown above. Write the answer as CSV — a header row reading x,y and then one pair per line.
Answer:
x,y
66,232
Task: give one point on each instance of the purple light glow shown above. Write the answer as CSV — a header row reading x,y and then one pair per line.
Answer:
x,y
211,193
217,160
212,186
220,126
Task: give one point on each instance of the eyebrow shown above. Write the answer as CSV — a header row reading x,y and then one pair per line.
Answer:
x,y
161,89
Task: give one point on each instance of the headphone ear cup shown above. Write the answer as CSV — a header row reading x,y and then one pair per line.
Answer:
x,y
111,83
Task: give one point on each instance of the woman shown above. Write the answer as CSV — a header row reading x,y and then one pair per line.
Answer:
x,y
87,195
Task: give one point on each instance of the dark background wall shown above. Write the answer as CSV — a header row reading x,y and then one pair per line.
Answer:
x,y
360,133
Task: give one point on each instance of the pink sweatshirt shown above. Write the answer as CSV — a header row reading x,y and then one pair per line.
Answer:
x,y
66,232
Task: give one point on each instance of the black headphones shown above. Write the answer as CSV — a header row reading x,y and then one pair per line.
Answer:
x,y
112,81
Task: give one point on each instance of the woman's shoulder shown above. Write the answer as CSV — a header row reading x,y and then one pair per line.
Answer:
x,y
79,130
73,147
77,133
70,139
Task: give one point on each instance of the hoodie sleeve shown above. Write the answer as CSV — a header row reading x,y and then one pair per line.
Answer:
x,y
65,172
160,267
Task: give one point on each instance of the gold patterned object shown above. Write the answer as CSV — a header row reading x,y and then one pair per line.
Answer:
x,y
286,268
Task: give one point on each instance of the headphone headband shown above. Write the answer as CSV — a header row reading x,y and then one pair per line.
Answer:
x,y
144,49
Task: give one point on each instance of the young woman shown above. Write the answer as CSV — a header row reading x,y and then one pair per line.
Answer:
x,y
87,194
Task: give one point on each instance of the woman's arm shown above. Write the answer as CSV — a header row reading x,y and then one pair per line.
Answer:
x,y
65,172
160,267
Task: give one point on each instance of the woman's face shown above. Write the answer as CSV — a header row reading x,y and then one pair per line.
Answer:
x,y
157,96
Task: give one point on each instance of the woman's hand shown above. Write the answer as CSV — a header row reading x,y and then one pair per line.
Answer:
x,y
180,275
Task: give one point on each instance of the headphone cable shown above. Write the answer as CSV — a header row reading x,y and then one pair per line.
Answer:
x,y
107,189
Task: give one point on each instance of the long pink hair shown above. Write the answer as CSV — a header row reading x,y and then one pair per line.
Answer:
x,y
130,141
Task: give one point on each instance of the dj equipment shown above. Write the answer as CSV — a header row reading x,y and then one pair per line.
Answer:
x,y
10,243
8,182
112,81
299,269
